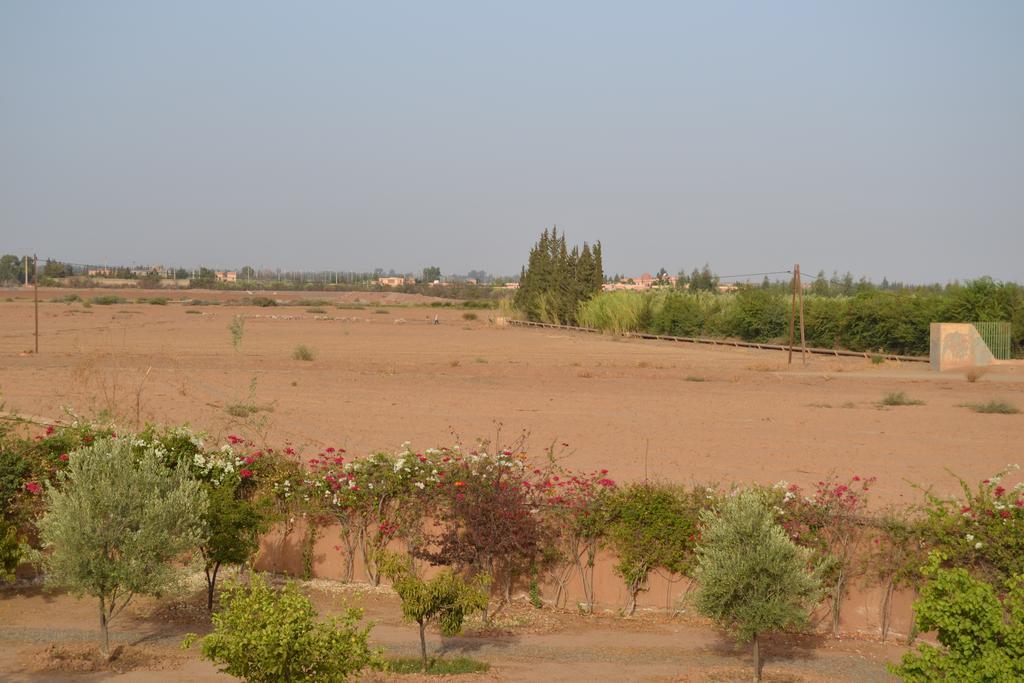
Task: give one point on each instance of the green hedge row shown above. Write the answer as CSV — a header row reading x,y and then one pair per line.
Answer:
x,y
871,320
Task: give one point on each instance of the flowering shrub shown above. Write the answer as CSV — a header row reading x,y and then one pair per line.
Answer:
x,y
983,531
828,521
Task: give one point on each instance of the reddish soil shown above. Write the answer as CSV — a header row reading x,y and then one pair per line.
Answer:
x,y
639,408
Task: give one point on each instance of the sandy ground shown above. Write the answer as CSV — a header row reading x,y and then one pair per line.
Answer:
x,y
524,644
384,375
634,407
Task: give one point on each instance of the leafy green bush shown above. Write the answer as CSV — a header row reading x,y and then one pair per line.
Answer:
x,y
10,552
262,301
753,579
446,598
758,315
981,636
263,635
679,316
650,526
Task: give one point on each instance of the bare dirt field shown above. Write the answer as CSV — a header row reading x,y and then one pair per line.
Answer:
x,y
383,374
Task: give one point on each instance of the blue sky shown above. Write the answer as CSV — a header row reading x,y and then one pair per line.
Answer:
x,y
884,138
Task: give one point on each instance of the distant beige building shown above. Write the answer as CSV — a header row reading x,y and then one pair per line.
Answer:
x,y
225,275
397,281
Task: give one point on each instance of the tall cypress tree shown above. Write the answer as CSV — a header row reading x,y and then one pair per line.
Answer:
x,y
556,279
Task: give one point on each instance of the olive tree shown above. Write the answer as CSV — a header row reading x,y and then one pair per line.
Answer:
x,y
114,524
752,578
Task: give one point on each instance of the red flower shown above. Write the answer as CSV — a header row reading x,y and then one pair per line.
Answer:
x,y
999,491
33,487
49,429
245,474
63,457
330,449
1004,514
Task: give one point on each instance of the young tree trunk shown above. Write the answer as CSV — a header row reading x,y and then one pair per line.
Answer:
x,y
104,633
757,660
423,643
211,583
887,608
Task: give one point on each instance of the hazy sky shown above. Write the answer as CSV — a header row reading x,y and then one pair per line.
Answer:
x,y
885,138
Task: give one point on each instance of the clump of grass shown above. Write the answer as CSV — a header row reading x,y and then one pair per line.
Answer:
x,y
158,301
848,404
303,352
316,309
66,299
819,405
877,359
898,398
382,311
241,410
237,330
993,407
108,299
353,307
480,359
696,378
469,316
263,301
191,312
312,302
437,666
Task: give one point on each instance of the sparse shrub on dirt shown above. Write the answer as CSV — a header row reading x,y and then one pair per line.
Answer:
x,y
262,301
265,635
994,407
752,578
899,398
237,329
303,352
469,316
107,300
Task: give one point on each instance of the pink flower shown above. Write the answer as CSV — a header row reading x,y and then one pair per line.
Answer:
x,y
330,449
63,457
245,474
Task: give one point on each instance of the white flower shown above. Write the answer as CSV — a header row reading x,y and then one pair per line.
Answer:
x,y
420,485
969,537
978,545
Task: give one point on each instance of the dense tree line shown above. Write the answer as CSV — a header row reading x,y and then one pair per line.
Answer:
x,y
557,280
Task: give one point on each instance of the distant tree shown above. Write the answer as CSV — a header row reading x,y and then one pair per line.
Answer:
x,y
431,273
150,280
114,524
820,286
752,578
703,280
682,280
206,278
556,279
766,283
56,269
11,269
247,273
181,274
447,598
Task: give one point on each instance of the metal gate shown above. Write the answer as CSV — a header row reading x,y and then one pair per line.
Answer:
x,y
997,336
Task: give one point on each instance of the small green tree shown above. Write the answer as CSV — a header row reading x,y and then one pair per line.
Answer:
x,y
232,533
264,635
982,637
446,598
115,522
10,552
752,578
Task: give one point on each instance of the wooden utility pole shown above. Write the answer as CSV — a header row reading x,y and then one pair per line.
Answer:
x,y
792,314
35,279
800,295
